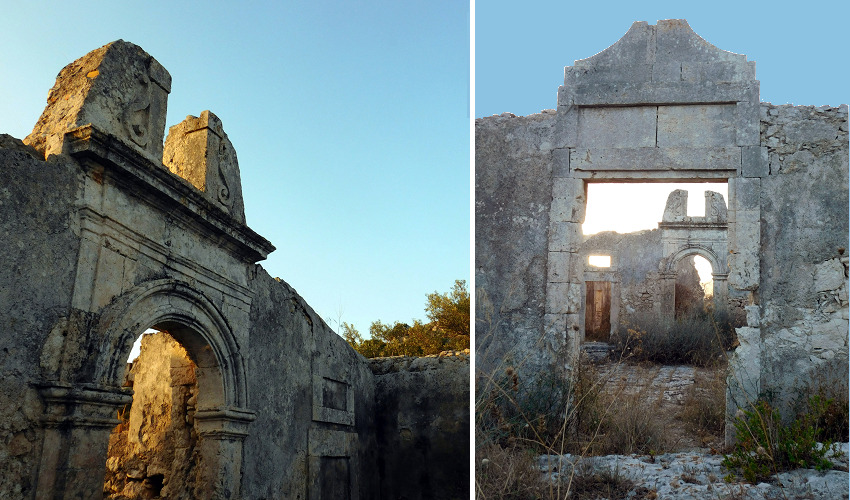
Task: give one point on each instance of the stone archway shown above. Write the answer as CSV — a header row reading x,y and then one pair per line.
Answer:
x,y
76,443
719,274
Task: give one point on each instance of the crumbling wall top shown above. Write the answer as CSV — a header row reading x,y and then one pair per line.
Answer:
x,y
676,209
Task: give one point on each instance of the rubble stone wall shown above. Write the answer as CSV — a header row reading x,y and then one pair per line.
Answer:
x,y
804,258
422,417
37,233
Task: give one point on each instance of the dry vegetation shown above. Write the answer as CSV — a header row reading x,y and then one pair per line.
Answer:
x,y
614,409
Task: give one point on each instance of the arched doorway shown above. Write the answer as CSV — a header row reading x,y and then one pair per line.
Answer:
x,y
719,275
154,451
78,442
220,417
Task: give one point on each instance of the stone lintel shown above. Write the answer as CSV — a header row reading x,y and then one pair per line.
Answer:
x,y
688,225
652,175
656,93
716,159
163,189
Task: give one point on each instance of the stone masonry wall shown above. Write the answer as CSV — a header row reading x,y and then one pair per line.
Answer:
x,y
804,258
36,279
635,258
422,415
512,201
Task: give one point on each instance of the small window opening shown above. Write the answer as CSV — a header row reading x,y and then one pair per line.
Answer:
x,y
599,260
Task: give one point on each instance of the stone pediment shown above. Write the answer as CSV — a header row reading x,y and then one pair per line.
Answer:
x,y
658,64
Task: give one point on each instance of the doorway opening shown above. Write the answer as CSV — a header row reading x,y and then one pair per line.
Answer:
x,y
154,451
597,323
694,286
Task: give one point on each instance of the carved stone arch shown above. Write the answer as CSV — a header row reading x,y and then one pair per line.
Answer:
x,y
192,319
78,420
717,265
719,274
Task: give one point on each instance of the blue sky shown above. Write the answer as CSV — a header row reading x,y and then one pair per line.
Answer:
x,y
521,48
350,120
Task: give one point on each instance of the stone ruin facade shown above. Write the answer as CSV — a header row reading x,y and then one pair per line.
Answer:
x,y
652,272
248,394
662,104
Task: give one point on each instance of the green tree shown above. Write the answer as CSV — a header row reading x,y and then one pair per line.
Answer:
x,y
450,311
351,335
447,330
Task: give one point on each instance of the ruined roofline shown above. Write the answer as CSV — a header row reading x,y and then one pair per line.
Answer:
x,y
164,189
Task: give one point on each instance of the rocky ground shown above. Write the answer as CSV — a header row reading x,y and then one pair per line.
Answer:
x,y
692,467
698,475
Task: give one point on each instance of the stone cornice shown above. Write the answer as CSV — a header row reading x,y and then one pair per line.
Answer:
x,y
157,185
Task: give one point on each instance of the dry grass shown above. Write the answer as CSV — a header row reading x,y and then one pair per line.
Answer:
x,y
588,415
699,339
704,411
507,473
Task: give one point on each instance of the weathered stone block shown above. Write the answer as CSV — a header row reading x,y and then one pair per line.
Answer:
x,y
560,163
569,200
649,159
119,89
744,194
559,267
717,71
557,295
555,325
748,124
828,276
753,316
699,125
754,162
617,127
564,236
565,132
198,150
654,93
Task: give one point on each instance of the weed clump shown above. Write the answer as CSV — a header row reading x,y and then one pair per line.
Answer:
x,y
765,446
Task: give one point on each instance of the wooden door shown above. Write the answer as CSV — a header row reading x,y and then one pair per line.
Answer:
x,y
597,319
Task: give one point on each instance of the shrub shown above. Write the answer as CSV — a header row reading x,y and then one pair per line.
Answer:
x,y
535,415
765,446
699,338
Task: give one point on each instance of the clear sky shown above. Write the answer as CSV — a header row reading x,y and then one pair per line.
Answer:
x,y
350,121
521,48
